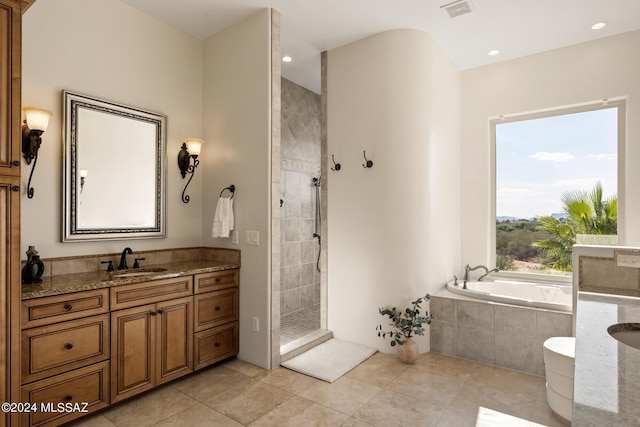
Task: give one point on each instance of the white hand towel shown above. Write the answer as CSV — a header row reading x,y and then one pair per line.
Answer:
x,y
223,218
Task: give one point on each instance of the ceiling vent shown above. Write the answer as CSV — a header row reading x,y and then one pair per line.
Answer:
x,y
457,8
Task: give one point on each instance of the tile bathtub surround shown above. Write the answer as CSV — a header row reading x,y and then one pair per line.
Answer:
x,y
438,391
498,334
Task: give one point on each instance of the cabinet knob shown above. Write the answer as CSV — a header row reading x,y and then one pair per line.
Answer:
x,y
160,311
16,163
153,313
218,308
68,398
217,344
218,280
15,188
68,307
68,346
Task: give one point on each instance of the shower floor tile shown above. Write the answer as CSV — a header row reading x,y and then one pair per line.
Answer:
x,y
299,323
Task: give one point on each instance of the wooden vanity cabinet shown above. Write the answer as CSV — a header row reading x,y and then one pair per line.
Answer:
x,y
65,352
151,343
105,345
216,317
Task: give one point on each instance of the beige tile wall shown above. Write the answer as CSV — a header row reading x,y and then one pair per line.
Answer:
x,y
300,163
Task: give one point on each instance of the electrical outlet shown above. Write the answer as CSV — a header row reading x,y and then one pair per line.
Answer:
x,y
234,237
627,260
255,324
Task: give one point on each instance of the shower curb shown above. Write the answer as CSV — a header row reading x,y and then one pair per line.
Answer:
x,y
306,343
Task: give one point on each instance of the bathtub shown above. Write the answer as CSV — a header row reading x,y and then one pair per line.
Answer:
x,y
546,296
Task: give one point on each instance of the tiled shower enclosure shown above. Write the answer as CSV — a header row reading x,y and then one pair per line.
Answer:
x,y
300,164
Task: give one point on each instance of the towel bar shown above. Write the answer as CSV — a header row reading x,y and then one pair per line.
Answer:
x,y
231,188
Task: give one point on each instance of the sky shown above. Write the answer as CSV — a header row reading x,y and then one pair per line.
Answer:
x,y
538,160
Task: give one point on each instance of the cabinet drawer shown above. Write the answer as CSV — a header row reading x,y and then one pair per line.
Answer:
x,y
216,308
216,280
50,350
88,385
127,296
215,344
60,308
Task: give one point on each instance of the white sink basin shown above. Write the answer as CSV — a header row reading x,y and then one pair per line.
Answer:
x,y
138,272
626,333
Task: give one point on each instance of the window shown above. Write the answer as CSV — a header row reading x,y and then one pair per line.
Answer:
x,y
556,184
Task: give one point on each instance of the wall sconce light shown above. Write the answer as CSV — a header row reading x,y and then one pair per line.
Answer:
x,y
190,150
83,177
35,123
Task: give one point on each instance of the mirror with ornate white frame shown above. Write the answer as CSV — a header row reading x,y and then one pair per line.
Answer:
x,y
114,170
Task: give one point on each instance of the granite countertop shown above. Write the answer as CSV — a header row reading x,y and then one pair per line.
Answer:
x,y
607,372
68,283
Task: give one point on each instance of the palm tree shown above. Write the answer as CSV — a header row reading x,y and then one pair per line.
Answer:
x,y
587,213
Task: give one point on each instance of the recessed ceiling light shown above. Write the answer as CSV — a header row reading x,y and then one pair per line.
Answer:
x,y
286,59
598,25
494,52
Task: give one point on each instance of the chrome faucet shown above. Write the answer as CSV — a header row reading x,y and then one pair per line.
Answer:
x,y
123,259
467,269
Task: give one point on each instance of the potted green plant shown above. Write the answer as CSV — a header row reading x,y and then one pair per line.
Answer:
x,y
405,325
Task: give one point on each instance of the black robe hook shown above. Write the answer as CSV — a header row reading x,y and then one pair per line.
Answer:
x,y
369,163
336,166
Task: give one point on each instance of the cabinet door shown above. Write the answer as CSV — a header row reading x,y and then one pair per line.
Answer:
x,y
175,338
10,140
133,334
9,291
10,99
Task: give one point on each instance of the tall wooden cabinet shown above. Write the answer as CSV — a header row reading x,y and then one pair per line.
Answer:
x,y
10,137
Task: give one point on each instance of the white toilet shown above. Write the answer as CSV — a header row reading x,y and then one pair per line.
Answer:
x,y
559,361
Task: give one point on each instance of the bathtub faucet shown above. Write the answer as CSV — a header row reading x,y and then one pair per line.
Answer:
x,y
467,269
495,270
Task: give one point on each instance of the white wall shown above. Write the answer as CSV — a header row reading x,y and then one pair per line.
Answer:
x,y
587,72
237,108
108,50
393,230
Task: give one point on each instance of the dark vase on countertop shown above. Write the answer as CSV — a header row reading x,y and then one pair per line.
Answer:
x,y
33,268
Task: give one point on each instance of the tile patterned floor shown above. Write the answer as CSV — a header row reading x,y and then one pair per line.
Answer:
x,y
439,391
299,324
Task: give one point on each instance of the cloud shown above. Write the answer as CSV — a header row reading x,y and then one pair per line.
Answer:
x,y
577,184
552,157
515,193
602,156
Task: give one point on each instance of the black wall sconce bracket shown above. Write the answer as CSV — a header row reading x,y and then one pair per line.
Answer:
x,y
186,167
31,141
35,123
